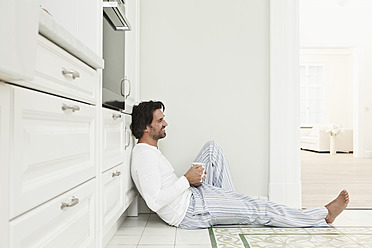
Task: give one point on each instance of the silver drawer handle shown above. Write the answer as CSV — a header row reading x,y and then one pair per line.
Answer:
x,y
127,138
72,203
116,174
130,87
122,87
72,107
74,74
116,116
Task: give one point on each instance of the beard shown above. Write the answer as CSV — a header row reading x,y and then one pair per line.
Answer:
x,y
158,135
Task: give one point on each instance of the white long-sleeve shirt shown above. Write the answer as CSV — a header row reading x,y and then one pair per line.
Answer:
x,y
164,192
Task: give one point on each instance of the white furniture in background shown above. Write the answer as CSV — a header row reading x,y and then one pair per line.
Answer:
x,y
316,139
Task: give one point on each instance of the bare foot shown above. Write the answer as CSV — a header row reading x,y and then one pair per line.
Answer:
x,y
337,206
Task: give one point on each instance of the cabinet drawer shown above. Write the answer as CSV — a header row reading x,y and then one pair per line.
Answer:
x,y
51,225
113,196
60,73
113,138
53,147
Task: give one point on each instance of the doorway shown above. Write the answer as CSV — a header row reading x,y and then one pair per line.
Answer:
x,y
329,44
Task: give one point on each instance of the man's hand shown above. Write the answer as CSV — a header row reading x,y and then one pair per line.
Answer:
x,y
194,175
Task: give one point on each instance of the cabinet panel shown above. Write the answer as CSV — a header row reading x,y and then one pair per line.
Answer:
x,y
5,160
80,18
131,55
19,26
52,226
113,138
130,191
60,73
53,147
113,196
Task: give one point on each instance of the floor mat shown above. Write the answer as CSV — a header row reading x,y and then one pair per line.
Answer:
x,y
259,236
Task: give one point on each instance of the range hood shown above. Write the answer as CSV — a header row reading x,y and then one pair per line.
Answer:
x,y
114,12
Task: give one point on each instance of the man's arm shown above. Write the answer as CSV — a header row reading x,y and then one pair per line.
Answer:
x,y
149,179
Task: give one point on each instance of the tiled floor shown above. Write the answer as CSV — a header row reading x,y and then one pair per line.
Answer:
x,y
148,231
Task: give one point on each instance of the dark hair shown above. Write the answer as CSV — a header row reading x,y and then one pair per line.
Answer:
x,y
142,116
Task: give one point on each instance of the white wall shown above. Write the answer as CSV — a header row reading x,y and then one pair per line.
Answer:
x,y
345,23
208,61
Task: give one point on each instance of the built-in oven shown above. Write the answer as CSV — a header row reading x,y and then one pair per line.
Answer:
x,y
113,79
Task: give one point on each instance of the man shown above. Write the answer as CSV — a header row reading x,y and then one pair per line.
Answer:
x,y
188,203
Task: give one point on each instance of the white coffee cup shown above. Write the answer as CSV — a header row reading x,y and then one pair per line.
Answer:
x,y
203,166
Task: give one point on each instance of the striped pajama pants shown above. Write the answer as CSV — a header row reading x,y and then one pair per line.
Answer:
x,y
215,202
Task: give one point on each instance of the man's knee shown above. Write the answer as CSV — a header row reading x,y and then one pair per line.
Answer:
x,y
212,143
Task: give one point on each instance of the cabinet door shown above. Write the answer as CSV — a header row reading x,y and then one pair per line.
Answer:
x,y
113,138
113,196
53,148
130,191
131,55
5,161
66,221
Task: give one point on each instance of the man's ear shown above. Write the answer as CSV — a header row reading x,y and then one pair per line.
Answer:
x,y
147,129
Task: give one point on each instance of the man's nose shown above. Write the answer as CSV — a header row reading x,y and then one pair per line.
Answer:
x,y
165,123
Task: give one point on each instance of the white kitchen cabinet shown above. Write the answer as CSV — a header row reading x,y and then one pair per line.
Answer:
x,y
66,221
53,147
51,128
19,21
80,17
118,188
113,196
132,55
5,162
113,138
130,191
60,73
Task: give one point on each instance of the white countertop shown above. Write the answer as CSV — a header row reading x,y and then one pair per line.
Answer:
x,y
50,29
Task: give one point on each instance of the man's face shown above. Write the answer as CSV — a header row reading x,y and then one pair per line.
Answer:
x,y
158,124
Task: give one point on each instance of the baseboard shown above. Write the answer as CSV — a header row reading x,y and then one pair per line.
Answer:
x,y
308,150
111,232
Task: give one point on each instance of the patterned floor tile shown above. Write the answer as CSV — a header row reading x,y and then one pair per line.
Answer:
x,y
262,241
300,241
257,230
336,240
227,237
364,240
289,230
322,230
355,230
235,236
